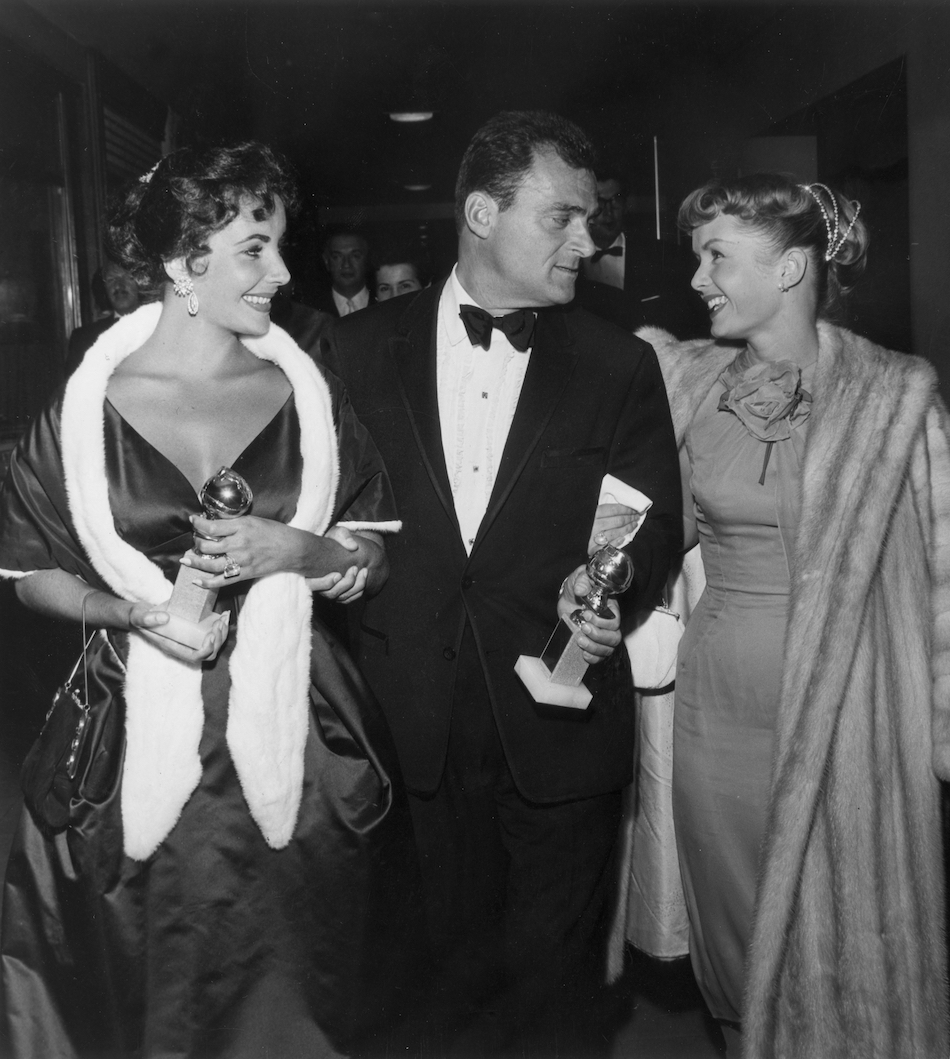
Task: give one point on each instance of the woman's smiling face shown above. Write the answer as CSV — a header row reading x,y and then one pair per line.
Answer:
x,y
738,277
237,279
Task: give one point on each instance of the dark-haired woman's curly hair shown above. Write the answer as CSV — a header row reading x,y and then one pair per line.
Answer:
x,y
791,214
191,193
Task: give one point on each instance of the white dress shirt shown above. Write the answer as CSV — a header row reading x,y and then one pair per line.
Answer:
x,y
345,306
609,268
478,393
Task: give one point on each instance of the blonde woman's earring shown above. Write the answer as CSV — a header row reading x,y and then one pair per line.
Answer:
x,y
185,289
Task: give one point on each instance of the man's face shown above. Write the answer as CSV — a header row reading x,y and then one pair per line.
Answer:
x,y
607,222
535,247
345,258
121,290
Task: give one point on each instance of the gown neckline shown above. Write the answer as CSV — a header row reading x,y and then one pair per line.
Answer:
x,y
179,473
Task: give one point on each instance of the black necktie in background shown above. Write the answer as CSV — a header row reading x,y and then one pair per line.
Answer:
x,y
610,251
517,326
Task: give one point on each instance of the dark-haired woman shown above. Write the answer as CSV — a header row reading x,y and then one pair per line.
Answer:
x,y
810,680
232,879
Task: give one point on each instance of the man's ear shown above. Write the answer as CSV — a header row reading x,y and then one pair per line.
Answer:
x,y
480,213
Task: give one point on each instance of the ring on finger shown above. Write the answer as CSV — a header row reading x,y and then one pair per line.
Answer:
x,y
231,568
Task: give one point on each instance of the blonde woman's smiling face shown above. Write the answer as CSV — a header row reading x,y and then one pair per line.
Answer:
x,y
738,277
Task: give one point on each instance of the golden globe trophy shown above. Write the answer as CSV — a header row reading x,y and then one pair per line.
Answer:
x,y
556,677
191,608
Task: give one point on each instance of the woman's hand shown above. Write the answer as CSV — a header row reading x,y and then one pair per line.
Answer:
x,y
601,635
612,522
144,618
341,564
240,549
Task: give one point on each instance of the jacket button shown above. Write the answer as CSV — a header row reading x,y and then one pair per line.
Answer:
x,y
448,654
467,581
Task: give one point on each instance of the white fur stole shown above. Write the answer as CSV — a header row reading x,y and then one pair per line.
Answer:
x,y
270,664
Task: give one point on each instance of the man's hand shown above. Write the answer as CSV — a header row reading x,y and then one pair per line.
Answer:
x,y
612,522
601,636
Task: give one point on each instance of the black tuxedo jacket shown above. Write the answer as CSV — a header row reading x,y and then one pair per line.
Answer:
x,y
593,403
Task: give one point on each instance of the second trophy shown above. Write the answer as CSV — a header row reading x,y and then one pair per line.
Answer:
x,y
556,677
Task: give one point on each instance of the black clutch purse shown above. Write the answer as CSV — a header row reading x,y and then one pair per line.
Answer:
x,y
53,770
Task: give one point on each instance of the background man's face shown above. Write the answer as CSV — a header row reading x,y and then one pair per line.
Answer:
x,y
537,244
607,222
121,289
346,260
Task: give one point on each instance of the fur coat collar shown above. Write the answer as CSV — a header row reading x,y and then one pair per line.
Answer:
x,y
270,663
848,955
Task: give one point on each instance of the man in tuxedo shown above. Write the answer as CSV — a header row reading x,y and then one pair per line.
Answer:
x,y
346,259
116,293
499,408
633,281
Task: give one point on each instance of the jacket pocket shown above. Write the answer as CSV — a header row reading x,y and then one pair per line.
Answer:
x,y
573,457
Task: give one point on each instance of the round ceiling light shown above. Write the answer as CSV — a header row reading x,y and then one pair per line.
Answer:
x,y
406,116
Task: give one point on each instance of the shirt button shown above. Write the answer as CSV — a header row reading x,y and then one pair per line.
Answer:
x,y
448,654
467,581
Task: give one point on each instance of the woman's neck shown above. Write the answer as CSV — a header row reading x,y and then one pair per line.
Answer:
x,y
187,346
796,341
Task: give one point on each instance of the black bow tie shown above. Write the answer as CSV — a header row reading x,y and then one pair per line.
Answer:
x,y
610,251
517,326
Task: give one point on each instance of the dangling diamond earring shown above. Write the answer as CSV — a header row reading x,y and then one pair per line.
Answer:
x,y
185,289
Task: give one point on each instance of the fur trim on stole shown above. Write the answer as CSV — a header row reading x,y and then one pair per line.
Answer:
x,y
847,956
270,663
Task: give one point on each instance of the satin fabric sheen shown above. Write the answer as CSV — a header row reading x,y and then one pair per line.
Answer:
x,y
217,945
728,684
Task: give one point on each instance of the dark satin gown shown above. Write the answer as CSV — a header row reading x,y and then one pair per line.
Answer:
x,y
217,945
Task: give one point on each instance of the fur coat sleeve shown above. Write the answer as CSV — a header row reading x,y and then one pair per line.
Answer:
x,y
848,953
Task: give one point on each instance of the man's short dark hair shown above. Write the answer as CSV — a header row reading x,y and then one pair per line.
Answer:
x,y
607,169
332,233
503,150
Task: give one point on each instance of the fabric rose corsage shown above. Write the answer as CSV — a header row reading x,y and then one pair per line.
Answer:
x,y
768,400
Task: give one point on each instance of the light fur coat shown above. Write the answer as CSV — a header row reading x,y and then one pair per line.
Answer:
x,y
848,954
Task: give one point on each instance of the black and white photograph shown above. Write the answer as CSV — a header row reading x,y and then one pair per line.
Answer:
x,y
474,529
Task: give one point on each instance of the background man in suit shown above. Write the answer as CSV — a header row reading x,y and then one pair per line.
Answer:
x,y
631,278
496,439
115,292
346,259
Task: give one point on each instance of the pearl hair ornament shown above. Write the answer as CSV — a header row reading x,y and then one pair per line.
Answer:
x,y
836,237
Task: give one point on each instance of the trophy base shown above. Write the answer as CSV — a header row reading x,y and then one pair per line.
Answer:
x,y
188,633
536,677
190,611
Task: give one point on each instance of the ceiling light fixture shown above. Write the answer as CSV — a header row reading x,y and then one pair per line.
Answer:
x,y
417,187
406,116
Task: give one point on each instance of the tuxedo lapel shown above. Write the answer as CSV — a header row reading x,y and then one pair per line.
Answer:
x,y
412,349
553,359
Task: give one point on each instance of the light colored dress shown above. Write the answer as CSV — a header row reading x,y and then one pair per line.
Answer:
x,y
728,679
